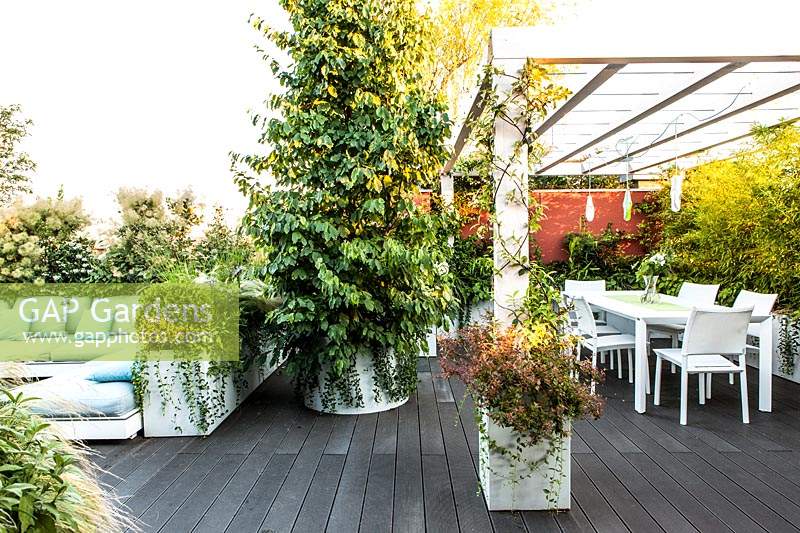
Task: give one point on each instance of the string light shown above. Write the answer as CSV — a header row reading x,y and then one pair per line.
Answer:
x,y
676,181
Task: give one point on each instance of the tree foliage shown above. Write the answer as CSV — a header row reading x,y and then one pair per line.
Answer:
x,y
15,166
33,235
739,221
153,236
356,133
461,34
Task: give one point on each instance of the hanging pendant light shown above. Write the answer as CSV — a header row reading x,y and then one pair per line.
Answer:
x,y
676,181
589,208
627,202
627,206
675,190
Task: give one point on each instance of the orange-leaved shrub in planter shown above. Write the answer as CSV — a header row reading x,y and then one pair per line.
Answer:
x,y
525,377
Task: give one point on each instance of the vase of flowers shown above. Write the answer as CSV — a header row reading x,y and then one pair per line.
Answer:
x,y
649,271
528,387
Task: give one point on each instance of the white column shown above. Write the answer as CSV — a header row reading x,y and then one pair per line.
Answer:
x,y
448,195
511,201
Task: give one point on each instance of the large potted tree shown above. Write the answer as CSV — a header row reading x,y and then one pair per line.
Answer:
x,y
351,138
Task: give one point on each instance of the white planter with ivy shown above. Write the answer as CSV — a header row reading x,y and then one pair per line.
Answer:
x,y
512,485
373,401
786,348
193,401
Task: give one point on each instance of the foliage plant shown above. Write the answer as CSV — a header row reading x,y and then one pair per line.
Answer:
x,y
738,223
69,261
154,234
352,136
653,265
15,165
46,483
221,256
526,378
738,226
461,32
473,267
33,236
788,342
602,256
575,182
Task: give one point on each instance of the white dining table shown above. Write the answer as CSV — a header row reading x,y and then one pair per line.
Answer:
x,y
671,310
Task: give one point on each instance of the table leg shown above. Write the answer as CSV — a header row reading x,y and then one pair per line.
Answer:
x,y
765,366
639,393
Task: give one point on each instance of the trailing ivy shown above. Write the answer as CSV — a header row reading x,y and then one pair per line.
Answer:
x,y
352,136
473,266
788,343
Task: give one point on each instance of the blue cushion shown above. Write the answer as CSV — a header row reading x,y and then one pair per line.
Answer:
x,y
108,371
69,397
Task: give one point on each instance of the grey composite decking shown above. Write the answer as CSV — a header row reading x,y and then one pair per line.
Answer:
x,y
274,466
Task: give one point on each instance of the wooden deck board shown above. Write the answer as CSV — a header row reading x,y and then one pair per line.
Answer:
x,y
274,465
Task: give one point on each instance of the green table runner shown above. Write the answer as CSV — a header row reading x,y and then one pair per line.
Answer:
x,y
636,299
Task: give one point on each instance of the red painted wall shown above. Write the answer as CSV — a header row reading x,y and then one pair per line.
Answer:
x,y
563,210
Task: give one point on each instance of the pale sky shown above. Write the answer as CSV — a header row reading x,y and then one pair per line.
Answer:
x,y
152,94
155,94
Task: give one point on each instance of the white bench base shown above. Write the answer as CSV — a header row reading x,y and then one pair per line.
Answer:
x,y
121,427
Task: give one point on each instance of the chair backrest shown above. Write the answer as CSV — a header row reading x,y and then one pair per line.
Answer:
x,y
762,303
586,324
716,331
697,294
577,287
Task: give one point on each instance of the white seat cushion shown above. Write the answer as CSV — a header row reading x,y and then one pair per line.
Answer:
x,y
64,397
699,363
611,342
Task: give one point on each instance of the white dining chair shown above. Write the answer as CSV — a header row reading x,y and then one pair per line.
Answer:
x,y
762,306
579,287
692,295
574,288
600,344
711,337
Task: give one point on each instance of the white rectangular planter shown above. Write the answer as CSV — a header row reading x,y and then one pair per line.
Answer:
x,y
171,418
752,355
512,487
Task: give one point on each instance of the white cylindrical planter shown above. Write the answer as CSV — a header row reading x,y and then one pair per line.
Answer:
x,y
366,380
430,344
511,486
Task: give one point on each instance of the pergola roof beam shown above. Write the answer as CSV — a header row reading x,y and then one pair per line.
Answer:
x,y
600,78
717,74
709,147
698,127
474,114
547,45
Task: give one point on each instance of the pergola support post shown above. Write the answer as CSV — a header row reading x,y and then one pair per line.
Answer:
x,y
510,221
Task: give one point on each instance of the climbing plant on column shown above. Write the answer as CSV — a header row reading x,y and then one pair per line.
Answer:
x,y
351,137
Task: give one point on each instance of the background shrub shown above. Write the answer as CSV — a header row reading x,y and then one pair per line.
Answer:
x,y
155,234
739,223
33,236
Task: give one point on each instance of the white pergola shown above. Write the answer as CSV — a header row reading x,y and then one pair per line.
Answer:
x,y
639,102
